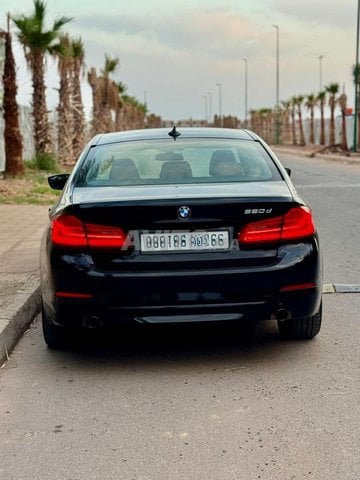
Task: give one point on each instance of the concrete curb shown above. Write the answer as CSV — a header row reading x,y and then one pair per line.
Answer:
x,y
24,312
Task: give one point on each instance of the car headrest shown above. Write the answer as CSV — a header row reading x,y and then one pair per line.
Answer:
x,y
223,163
123,169
175,170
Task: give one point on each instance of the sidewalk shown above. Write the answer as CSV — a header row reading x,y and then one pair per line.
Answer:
x,y
311,152
21,228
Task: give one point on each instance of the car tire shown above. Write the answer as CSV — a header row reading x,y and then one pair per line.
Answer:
x,y
301,328
54,336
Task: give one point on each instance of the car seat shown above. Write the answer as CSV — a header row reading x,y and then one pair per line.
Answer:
x,y
123,169
175,170
224,164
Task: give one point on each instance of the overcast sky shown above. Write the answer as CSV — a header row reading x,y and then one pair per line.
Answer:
x,y
176,52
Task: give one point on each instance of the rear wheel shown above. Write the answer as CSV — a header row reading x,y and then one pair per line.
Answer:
x,y
301,328
54,336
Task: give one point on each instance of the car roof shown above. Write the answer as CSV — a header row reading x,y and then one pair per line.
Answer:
x,y
163,133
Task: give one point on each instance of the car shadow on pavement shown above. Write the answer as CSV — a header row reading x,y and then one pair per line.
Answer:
x,y
150,346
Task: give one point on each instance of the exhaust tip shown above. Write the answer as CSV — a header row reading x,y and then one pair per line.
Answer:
x,y
92,322
282,314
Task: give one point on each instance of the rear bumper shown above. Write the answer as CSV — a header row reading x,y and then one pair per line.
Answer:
x,y
73,313
239,294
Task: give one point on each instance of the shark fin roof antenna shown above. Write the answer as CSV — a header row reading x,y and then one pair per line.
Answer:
x,y
174,133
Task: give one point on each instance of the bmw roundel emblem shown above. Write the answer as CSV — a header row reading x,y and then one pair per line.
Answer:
x,y
184,212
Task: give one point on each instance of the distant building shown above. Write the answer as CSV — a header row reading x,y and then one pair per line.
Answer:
x,y
190,122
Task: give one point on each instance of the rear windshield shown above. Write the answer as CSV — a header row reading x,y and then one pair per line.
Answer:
x,y
155,162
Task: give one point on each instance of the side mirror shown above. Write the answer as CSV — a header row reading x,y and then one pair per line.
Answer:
x,y
57,182
288,171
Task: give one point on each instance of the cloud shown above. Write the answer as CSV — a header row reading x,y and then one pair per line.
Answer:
x,y
334,13
217,32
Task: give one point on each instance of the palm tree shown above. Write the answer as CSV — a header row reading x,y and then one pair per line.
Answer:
x,y
293,121
154,121
120,113
136,112
298,102
343,102
131,113
310,103
108,92
37,43
65,114
122,88
93,81
267,119
285,113
77,104
254,120
332,89
12,135
322,99
105,96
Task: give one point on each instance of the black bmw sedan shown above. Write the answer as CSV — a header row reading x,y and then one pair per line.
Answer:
x,y
186,225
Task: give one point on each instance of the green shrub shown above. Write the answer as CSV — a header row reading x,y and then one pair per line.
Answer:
x,y
30,164
43,161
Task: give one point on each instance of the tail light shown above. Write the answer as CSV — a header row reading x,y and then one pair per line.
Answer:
x,y
296,224
70,231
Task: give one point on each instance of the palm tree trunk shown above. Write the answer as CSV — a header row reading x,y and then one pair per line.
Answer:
x,y
332,124
78,111
43,143
65,121
302,136
12,135
94,84
293,126
322,124
312,128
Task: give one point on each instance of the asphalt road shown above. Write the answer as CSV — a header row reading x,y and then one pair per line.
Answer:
x,y
333,190
185,404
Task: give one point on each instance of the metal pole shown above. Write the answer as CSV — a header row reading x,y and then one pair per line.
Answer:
x,y
246,91
320,68
206,107
277,139
210,106
356,80
220,104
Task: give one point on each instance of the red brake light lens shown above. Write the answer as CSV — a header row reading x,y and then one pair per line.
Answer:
x,y
267,230
69,231
298,223
295,224
101,236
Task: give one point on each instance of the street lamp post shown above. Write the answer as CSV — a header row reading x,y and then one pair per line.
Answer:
x,y
356,80
246,91
220,104
277,139
210,106
206,107
320,72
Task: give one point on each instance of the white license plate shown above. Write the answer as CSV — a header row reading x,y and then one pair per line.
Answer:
x,y
184,241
